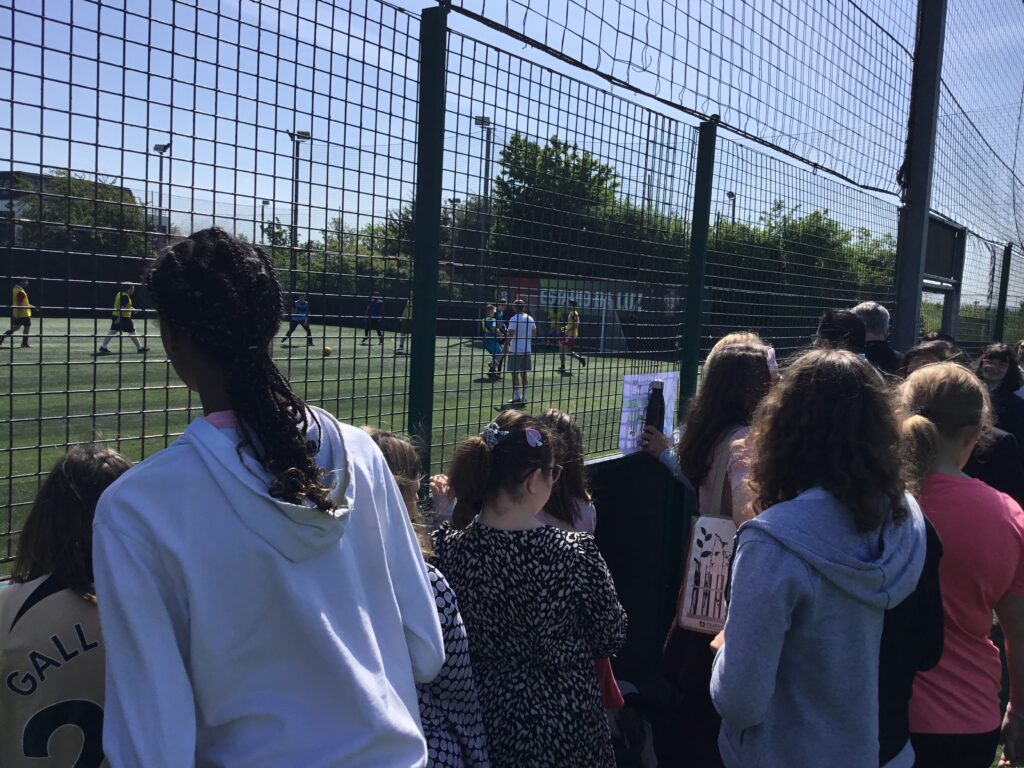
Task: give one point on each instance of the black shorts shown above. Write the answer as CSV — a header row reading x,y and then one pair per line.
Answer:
x,y
122,324
21,322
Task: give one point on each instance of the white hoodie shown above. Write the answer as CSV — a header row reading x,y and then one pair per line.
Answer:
x,y
245,631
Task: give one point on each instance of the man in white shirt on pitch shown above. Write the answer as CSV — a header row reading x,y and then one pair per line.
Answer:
x,y
519,350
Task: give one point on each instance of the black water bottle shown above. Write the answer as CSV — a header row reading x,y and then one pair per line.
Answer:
x,y
656,406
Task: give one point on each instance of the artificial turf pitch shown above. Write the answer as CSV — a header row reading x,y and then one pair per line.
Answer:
x,y
56,393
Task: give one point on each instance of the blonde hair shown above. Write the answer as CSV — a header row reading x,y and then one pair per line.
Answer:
x,y
938,402
736,337
404,462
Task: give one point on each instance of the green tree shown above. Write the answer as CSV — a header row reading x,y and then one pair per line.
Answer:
x,y
75,213
546,199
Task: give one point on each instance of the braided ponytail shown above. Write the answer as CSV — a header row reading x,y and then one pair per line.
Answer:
x,y
225,296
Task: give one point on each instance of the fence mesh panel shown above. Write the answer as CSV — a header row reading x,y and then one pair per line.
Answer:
x,y
823,81
978,182
786,244
979,299
244,99
568,172
556,190
1013,330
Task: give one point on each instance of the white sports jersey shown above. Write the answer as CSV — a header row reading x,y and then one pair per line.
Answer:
x,y
52,662
521,329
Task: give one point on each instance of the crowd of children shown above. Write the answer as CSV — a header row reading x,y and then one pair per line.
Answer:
x,y
265,591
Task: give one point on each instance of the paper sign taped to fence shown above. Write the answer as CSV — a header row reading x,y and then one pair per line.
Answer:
x,y
702,604
635,389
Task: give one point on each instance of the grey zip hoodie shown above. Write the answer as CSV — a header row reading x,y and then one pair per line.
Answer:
x,y
796,682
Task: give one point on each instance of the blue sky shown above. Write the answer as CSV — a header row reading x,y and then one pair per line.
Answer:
x,y
94,88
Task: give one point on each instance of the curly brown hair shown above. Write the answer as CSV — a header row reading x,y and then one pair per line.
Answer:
x,y
830,423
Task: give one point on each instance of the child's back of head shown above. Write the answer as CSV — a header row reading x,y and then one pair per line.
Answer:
x,y
404,462
572,486
57,538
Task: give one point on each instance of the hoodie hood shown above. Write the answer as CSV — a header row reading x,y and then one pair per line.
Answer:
x,y
879,568
297,531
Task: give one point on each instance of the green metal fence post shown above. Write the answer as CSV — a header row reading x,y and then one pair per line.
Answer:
x,y
1004,285
916,174
677,522
702,187
427,223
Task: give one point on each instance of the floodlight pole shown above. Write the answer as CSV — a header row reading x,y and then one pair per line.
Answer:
x,y
297,138
484,205
160,149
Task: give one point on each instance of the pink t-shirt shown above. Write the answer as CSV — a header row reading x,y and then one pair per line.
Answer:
x,y
982,532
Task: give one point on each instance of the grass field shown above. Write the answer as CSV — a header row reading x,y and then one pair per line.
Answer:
x,y
55,393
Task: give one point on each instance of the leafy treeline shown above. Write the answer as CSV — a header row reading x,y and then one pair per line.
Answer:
x,y
556,211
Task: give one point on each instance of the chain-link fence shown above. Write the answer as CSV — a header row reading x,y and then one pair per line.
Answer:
x,y
125,129
787,243
568,173
978,182
555,191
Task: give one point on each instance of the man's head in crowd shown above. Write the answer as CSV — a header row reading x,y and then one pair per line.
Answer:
x,y
841,329
875,318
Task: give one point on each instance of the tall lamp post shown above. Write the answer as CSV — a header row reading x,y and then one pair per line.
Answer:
x,y
263,225
160,149
732,202
484,221
297,138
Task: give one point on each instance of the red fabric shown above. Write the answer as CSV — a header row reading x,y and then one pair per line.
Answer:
x,y
611,696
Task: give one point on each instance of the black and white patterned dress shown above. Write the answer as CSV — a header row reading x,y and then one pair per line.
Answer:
x,y
449,707
539,607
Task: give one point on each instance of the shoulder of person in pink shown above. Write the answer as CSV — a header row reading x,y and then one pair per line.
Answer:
x,y
222,419
982,532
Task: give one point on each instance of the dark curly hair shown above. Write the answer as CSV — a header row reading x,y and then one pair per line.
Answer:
x,y
223,295
830,423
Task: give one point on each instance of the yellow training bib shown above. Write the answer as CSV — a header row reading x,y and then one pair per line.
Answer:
x,y
20,306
